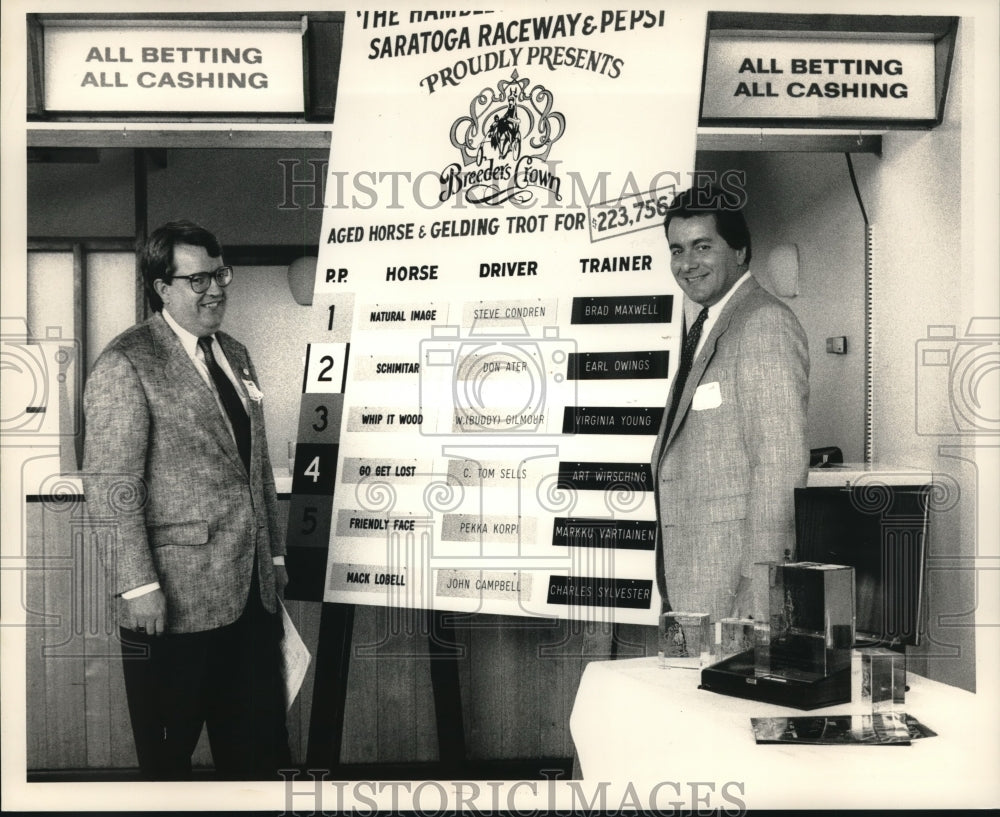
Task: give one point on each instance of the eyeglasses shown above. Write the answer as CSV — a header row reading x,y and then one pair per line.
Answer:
x,y
201,281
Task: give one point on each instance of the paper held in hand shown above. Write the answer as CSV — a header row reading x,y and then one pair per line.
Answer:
x,y
295,658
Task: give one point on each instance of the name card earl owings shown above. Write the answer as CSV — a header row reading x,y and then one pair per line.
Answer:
x,y
778,77
161,67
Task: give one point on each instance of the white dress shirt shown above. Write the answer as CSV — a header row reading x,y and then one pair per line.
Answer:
x,y
691,310
190,344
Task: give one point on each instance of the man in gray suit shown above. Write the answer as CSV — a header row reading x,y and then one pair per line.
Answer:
x,y
732,445
177,457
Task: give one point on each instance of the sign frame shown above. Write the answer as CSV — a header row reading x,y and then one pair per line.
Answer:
x,y
942,31
322,40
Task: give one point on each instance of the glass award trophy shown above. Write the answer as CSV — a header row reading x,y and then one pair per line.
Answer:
x,y
685,640
803,634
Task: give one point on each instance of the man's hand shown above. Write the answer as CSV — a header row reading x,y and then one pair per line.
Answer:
x,y
147,613
280,580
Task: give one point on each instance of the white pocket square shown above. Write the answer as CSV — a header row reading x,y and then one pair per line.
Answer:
x,y
707,396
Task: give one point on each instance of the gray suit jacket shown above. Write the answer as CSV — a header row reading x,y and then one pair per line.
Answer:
x,y
161,465
726,470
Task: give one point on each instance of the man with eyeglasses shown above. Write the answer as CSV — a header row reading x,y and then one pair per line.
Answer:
x,y
176,456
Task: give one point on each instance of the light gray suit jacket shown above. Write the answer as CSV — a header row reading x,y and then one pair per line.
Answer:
x,y
162,467
726,470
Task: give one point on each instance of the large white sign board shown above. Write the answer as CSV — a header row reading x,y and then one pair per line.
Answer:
x,y
502,305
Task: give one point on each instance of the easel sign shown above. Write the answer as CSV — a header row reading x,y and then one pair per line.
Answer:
x,y
492,254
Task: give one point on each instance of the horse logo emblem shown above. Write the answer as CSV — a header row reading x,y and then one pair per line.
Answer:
x,y
507,135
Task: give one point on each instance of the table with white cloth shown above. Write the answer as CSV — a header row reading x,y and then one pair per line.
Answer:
x,y
635,721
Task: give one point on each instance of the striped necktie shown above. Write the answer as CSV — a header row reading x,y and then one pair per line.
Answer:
x,y
691,339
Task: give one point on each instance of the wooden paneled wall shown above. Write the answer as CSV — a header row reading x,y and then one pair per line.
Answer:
x,y
518,677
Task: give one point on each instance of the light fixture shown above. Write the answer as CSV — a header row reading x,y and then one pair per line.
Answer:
x,y
783,269
302,279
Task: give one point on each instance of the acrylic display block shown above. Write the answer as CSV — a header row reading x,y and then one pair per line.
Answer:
x,y
685,640
878,680
810,621
736,635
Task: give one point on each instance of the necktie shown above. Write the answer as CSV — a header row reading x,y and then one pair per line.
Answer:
x,y
687,358
231,402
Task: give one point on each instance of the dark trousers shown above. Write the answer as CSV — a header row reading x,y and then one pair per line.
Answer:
x,y
228,679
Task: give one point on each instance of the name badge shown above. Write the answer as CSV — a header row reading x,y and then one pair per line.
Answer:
x,y
253,392
707,396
